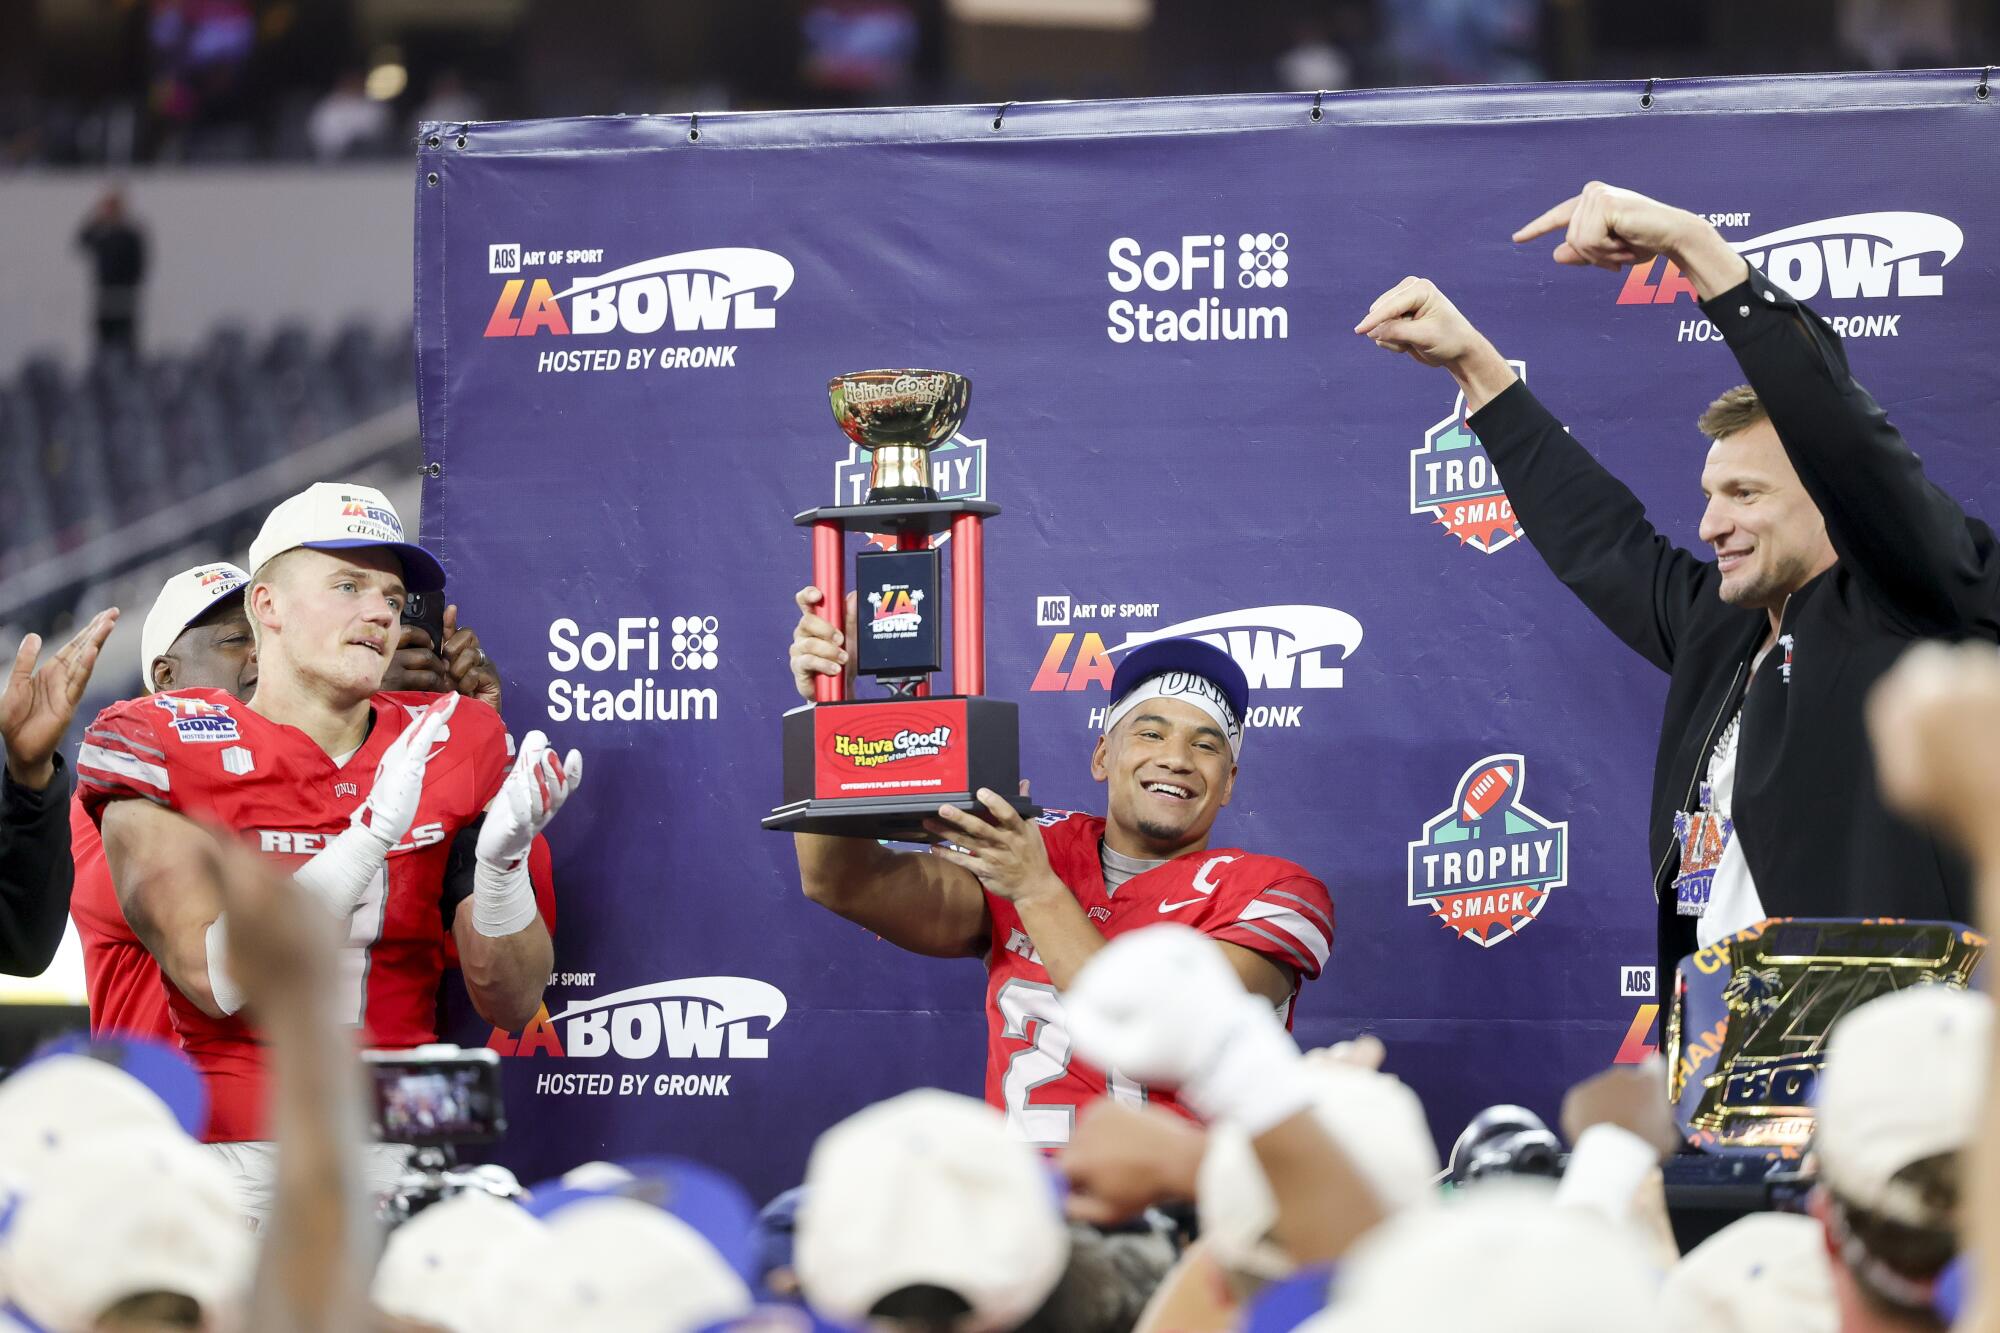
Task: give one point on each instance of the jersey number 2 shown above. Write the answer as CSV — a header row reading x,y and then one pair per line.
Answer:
x,y
1033,1013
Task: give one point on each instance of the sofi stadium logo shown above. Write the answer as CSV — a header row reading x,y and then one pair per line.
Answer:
x,y
1485,864
1291,647
1454,483
1861,256
696,1018
1203,287
689,292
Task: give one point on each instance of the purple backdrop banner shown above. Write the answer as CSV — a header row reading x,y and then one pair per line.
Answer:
x,y
625,328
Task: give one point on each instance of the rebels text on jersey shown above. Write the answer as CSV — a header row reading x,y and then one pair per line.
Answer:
x,y
1265,904
207,756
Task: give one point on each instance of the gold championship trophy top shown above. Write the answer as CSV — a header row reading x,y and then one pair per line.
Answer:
x,y
876,768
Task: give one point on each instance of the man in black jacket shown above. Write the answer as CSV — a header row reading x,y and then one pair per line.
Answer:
x,y
1832,553
35,869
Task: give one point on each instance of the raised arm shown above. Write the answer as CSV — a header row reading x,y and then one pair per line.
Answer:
x,y
1894,530
1583,521
913,900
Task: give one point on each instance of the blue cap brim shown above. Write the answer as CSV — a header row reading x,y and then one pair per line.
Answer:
x,y
164,1070
710,1202
1194,656
421,570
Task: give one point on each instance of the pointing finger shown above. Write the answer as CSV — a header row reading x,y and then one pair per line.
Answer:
x,y
1558,216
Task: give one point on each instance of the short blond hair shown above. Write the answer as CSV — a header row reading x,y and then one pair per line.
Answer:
x,y
268,572
1737,410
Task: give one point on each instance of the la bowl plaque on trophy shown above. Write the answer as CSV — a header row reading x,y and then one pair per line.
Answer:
x,y
876,768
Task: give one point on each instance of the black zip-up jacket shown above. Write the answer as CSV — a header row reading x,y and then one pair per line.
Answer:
x,y
1911,565
35,872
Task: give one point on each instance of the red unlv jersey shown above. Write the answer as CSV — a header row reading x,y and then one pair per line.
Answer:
x,y
127,993
1265,904
202,753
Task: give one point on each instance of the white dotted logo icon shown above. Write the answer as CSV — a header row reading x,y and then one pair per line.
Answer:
x,y
694,643
1262,258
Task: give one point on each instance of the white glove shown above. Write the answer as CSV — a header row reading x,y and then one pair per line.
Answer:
x,y
1163,1006
339,874
503,900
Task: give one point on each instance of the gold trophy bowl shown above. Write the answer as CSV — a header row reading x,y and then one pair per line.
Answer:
x,y
899,416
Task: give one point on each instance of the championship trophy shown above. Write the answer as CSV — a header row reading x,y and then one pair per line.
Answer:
x,y
877,768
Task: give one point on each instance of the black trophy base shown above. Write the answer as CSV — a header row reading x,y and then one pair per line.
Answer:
x,y
983,751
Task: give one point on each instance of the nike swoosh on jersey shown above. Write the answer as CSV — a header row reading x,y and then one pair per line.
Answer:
x,y
1175,907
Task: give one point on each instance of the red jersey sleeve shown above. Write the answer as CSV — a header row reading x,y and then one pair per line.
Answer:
x,y
542,874
1274,908
123,755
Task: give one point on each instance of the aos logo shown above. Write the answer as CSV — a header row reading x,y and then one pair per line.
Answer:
x,y
1453,481
1484,864
700,1018
722,288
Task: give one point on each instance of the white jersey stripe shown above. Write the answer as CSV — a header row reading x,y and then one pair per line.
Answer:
x,y
121,764
1294,924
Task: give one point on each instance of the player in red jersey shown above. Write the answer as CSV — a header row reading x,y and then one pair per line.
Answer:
x,y
358,793
197,636
1036,901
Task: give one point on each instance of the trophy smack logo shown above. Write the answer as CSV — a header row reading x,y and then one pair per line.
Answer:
x,y
1194,276
1453,481
1859,256
1485,864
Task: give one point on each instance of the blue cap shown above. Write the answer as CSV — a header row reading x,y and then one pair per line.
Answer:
x,y
1284,1305
771,1240
166,1072
1196,657
710,1202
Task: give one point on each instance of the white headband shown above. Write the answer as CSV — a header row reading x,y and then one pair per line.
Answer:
x,y
1197,691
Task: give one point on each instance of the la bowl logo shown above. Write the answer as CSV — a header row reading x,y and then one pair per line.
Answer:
x,y
1454,482
692,290
1844,258
1486,863
699,1018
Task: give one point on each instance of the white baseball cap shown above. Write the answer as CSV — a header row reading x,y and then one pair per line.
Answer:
x,y
1374,1117
184,599
429,1270
152,1210
61,1101
608,1264
338,516
928,1189
1500,1257
1903,1081
1761,1272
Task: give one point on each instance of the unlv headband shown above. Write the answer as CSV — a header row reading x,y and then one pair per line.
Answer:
x,y
1198,691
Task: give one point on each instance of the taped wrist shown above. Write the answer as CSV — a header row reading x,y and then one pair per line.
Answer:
x,y
503,898
1605,1170
228,996
340,872
1257,1078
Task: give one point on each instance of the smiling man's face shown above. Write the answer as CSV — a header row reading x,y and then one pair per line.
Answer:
x,y
1168,771
1769,537
330,618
